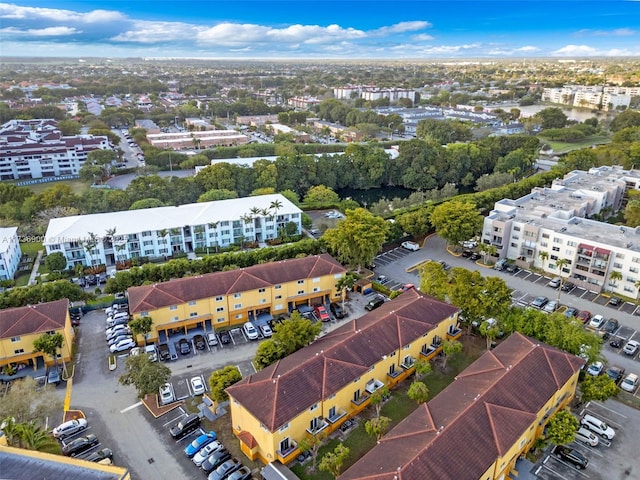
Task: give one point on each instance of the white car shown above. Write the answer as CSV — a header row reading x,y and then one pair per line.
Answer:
x,y
266,330
166,394
595,368
413,246
197,385
469,244
250,331
205,452
69,428
122,345
212,339
597,322
630,383
631,348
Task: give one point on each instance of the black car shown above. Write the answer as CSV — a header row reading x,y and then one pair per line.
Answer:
x,y
374,303
91,280
79,445
467,253
539,302
571,456
512,268
184,346
567,286
615,301
615,343
164,352
225,337
225,469
99,455
475,256
336,310
216,459
185,426
611,326
615,373
199,342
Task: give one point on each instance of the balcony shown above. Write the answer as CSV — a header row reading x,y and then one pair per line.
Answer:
x,y
430,351
337,416
394,373
285,456
373,385
454,332
408,362
320,424
360,400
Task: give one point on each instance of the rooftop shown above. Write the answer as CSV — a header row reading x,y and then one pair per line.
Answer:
x,y
40,318
7,237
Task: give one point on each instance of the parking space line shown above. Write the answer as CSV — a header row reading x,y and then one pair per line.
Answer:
x,y
608,409
173,420
547,467
131,407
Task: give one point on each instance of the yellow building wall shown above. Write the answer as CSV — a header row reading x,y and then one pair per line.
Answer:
x,y
8,348
236,308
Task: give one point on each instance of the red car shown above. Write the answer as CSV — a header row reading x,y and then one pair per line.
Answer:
x,y
584,316
322,313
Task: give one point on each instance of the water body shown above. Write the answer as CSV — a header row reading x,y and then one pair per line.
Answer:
x,y
375,194
579,114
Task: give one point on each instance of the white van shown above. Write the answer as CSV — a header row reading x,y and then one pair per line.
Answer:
x,y
413,246
585,435
598,426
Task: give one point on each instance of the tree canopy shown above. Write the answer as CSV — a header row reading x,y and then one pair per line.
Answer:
x,y
146,376
456,221
221,379
561,428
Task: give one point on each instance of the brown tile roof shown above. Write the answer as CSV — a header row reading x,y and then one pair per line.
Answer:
x,y
39,318
281,391
490,405
176,292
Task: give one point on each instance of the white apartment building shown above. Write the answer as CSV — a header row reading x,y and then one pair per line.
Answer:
x,y
592,96
370,92
615,101
10,252
631,91
197,139
107,238
37,149
554,223
558,95
587,99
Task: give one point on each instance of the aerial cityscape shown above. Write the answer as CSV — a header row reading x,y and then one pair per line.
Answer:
x,y
319,240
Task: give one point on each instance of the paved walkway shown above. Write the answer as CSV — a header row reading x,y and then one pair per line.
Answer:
x,y
34,270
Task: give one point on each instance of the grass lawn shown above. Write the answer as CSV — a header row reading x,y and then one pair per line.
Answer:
x,y
78,186
565,147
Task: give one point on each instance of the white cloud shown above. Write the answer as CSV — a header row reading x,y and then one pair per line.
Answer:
x,y
618,32
154,32
41,32
527,48
401,27
422,37
16,12
575,51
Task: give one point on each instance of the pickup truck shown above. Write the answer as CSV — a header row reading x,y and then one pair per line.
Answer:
x,y
413,246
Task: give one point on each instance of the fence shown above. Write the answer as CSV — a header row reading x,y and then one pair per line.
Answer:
x,y
47,180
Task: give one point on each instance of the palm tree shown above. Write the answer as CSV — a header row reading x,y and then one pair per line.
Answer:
x,y
561,263
214,226
487,250
276,205
614,276
33,437
90,244
637,285
544,256
111,234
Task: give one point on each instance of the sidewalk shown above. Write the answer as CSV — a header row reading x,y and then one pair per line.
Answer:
x,y
34,270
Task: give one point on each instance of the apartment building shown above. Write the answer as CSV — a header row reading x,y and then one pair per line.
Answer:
x,y
19,327
556,223
10,253
197,139
299,137
370,93
230,298
320,386
107,238
500,405
37,149
303,102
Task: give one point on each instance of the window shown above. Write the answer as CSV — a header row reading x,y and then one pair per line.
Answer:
x,y
513,244
19,351
278,297
283,427
193,314
218,298
571,244
545,235
237,295
313,407
555,249
238,316
221,319
332,412
175,319
544,244
316,289
261,290
173,307
15,339
620,256
300,292
192,303
356,395
515,237
633,269
144,314
316,280
263,300
277,287
516,228
300,282
237,305
220,309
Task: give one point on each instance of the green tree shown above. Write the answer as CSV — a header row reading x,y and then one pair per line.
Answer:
x,y
418,392
561,428
416,223
489,330
69,127
422,368
216,194
332,462
56,262
312,443
345,284
632,213
456,221
377,398
320,196
267,353
449,349
552,117
146,203
358,238
598,388
221,379
296,332
27,401
434,280
626,119
377,426
49,343
146,376
32,436
141,326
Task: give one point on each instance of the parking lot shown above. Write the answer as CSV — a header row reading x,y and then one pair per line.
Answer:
x,y
608,460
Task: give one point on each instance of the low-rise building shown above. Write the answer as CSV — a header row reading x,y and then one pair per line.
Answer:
x,y
479,425
320,386
19,327
107,238
230,298
10,253
197,139
37,149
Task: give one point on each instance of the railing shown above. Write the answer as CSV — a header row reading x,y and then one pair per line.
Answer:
x,y
361,399
373,385
322,424
293,446
338,415
394,374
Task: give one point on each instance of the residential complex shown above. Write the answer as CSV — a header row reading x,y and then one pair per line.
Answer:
x,y
19,327
370,93
320,386
228,298
552,224
594,97
10,252
37,149
479,425
197,139
107,238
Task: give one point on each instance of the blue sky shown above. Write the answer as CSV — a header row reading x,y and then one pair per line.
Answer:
x,y
306,29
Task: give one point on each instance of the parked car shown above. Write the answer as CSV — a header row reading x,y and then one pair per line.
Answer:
x,y
184,346
119,338
99,455
374,303
199,342
164,352
336,309
512,268
200,442
243,473
123,345
554,282
551,306
467,253
475,256
631,348
151,352
265,330
110,332
615,343
469,244
570,312
598,426
225,469
615,373
69,428
413,246
501,264
321,313
185,426
225,337
382,279
166,394
585,435
250,331
212,339
205,452
53,376
79,445
539,302
596,322
611,326
595,368
615,301
571,456
567,286
197,385
584,316
215,460
630,382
